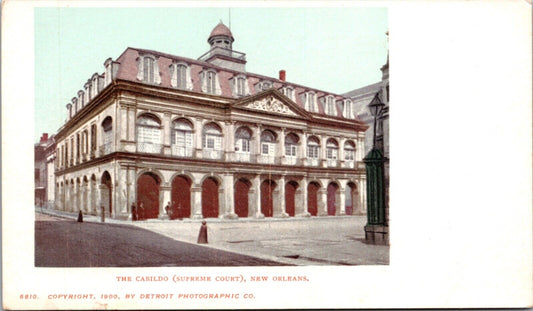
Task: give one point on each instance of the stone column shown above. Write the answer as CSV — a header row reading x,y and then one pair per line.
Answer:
x,y
281,198
322,204
341,211
131,183
83,192
256,152
165,190
301,204
166,134
303,149
256,184
196,201
198,138
281,152
229,204
323,161
229,141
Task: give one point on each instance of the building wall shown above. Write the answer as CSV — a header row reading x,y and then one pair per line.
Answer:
x,y
81,181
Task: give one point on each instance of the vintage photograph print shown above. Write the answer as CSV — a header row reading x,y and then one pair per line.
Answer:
x,y
211,137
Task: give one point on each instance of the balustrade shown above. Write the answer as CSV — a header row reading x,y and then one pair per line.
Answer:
x,y
180,151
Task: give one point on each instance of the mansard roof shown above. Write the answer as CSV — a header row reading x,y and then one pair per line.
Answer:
x,y
128,71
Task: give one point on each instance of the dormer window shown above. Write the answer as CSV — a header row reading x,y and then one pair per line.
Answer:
x,y
330,106
210,84
348,109
310,102
289,92
148,69
180,76
240,86
263,86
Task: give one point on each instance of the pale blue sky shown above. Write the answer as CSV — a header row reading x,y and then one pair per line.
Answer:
x,y
331,49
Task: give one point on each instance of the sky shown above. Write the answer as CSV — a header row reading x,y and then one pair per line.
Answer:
x,y
331,49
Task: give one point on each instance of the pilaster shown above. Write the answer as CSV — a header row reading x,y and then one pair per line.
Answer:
x,y
196,201
281,198
198,139
301,201
257,189
322,204
166,134
229,203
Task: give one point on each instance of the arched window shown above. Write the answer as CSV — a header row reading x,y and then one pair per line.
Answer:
x,y
180,76
107,128
310,102
313,150
148,69
332,151
243,136
291,143
349,151
210,82
212,141
181,136
148,134
241,88
268,146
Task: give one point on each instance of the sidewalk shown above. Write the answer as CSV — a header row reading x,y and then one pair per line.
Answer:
x,y
296,241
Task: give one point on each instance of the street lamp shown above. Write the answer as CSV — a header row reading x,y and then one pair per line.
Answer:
x,y
375,107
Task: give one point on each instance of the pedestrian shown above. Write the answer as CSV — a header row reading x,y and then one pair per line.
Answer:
x,y
80,216
133,212
141,212
202,236
102,213
168,210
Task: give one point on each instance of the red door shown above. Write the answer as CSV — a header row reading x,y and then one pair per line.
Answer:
x,y
290,193
210,198
312,198
332,190
241,197
267,191
181,198
148,197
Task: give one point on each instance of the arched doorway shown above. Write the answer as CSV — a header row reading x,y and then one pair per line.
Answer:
x,y
148,196
105,192
181,197
241,189
210,198
267,193
350,198
332,192
312,198
290,194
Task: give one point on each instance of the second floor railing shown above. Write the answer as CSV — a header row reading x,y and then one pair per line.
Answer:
x,y
146,147
181,151
212,154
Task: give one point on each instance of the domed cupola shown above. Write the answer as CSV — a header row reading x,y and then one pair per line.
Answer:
x,y
221,37
221,52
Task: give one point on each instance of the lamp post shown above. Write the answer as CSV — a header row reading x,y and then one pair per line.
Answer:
x,y
376,229
375,106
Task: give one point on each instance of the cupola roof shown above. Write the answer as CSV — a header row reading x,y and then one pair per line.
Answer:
x,y
221,30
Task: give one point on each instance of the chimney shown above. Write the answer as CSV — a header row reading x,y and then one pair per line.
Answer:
x,y
282,75
44,138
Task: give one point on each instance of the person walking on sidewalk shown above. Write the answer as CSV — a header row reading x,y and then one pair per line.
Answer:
x,y
202,235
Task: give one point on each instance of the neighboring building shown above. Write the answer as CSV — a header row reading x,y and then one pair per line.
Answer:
x,y
361,98
50,152
209,138
40,171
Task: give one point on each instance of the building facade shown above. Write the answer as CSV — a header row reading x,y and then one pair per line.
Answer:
x,y
208,139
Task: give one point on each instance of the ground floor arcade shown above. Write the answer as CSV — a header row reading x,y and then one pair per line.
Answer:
x,y
128,190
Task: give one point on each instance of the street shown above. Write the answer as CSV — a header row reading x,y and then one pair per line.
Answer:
x,y
63,242
159,242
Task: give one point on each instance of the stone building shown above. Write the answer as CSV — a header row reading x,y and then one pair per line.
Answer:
x,y
41,171
209,139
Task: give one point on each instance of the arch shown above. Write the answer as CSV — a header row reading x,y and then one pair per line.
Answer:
x,y
153,172
312,198
243,137
148,196
349,150
180,197
267,193
268,136
107,123
182,137
333,187
212,141
148,119
241,189
313,149
332,149
106,195
350,198
290,195
210,197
